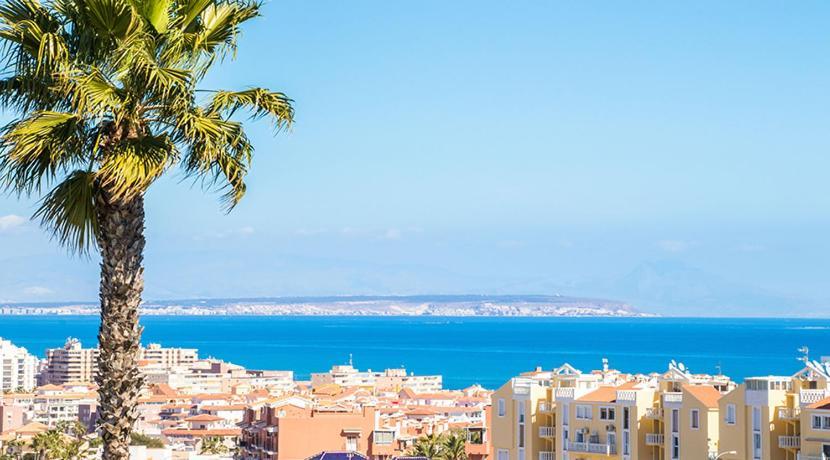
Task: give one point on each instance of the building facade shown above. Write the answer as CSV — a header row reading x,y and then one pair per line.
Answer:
x,y
18,368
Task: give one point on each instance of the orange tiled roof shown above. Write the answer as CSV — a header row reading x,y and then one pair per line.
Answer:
x,y
601,394
203,418
706,394
822,404
202,433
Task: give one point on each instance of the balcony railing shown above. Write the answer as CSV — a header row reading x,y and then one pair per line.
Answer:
x,y
545,406
789,413
655,413
545,455
592,448
546,432
672,397
654,439
789,442
811,396
626,396
812,457
565,393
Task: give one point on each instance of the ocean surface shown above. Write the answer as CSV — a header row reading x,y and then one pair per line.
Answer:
x,y
487,351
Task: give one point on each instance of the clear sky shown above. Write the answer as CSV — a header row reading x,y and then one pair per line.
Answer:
x,y
671,155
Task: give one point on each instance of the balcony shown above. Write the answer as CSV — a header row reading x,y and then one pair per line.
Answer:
x,y
546,432
627,396
654,413
591,448
812,457
546,407
811,396
672,398
654,439
789,442
564,393
789,413
545,455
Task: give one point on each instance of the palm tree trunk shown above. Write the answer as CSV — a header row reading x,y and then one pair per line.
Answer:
x,y
121,241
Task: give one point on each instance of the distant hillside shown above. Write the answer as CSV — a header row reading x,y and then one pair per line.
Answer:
x,y
417,305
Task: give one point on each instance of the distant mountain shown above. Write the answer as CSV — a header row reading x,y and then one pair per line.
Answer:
x,y
673,287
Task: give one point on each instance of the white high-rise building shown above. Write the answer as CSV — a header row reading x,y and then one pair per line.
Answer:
x,y
18,368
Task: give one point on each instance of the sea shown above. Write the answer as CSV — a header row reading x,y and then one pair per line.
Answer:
x,y
465,350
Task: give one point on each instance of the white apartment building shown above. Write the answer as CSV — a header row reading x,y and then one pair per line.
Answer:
x,y
18,368
169,357
346,376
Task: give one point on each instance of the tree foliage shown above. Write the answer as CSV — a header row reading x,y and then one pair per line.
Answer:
x,y
108,101
450,445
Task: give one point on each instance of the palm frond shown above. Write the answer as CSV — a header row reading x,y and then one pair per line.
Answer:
x,y
134,166
261,102
156,12
39,147
220,25
68,211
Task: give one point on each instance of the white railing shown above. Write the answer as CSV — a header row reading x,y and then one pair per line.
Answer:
x,y
626,396
654,413
672,397
545,455
654,439
811,396
546,432
789,442
545,406
812,457
565,393
591,447
789,413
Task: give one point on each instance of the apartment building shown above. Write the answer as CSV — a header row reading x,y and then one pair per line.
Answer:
x,y
295,428
70,363
18,368
390,380
565,414
169,357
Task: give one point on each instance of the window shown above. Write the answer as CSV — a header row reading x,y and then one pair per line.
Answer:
x,y
675,420
626,443
626,418
503,454
521,429
351,444
501,407
756,432
521,453
566,414
675,447
583,412
606,413
730,414
384,437
821,422
695,414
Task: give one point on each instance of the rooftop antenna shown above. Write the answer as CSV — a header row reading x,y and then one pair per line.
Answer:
x,y
719,368
604,364
806,352
351,363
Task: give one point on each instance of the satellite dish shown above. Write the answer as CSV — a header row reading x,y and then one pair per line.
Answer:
x,y
673,363
682,367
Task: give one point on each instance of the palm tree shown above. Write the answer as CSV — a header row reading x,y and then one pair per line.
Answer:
x,y
213,446
106,97
453,446
429,446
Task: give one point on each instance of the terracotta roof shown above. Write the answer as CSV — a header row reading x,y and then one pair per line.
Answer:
x,y
706,394
822,404
30,428
601,394
49,387
201,433
203,418
224,407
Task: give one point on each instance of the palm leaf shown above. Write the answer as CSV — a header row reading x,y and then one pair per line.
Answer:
x,y
69,211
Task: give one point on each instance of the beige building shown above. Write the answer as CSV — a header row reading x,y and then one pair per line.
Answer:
x,y
169,357
565,414
70,363
391,380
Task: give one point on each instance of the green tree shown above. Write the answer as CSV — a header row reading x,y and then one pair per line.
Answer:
x,y
453,446
138,439
429,446
105,93
213,445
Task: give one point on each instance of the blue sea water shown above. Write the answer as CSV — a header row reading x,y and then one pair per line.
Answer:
x,y
487,351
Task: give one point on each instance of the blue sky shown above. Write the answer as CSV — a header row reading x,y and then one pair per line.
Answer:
x,y
670,155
